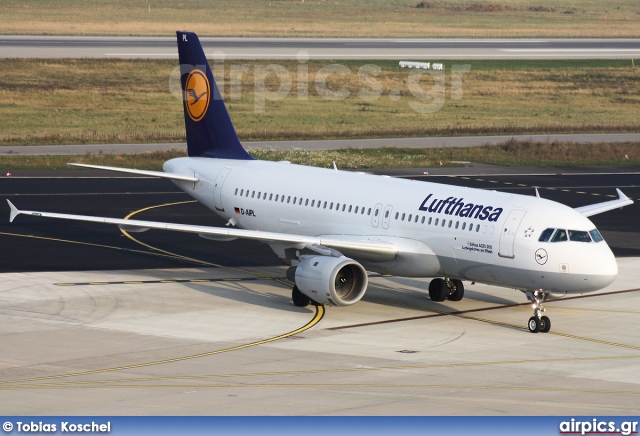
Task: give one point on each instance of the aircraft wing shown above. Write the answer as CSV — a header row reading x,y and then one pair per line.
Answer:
x,y
371,250
161,174
594,209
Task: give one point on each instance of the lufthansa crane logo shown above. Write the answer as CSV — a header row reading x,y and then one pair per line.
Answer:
x,y
197,94
541,256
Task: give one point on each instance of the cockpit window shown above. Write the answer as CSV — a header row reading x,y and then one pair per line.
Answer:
x,y
562,235
596,236
544,237
559,236
579,236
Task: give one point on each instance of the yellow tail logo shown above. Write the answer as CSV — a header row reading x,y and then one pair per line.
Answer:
x,y
197,95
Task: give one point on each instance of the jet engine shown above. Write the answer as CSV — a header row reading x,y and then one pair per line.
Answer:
x,y
336,281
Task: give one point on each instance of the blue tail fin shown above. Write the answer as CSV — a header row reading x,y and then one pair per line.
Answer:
x,y
210,132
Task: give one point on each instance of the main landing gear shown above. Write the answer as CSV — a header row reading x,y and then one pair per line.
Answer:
x,y
446,289
298,298
538,323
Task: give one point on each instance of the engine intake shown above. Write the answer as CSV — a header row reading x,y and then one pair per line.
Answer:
x,y
337,281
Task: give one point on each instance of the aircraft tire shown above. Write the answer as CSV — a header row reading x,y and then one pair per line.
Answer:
x,y
298,298
546,324
534,324
438,290
459,292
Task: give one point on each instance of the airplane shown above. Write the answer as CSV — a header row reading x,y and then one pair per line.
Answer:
x,y
333,226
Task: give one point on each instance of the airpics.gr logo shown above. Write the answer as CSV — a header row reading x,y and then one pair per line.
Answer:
x,y
197,94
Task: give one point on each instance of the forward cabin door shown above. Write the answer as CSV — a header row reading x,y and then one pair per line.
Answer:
x,y
508,233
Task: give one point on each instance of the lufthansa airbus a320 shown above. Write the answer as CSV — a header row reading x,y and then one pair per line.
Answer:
x,y
334,226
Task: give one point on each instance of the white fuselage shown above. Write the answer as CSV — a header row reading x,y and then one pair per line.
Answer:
x,y
441,230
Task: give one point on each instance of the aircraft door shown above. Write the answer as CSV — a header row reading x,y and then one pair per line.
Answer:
x,y
217,188
375,217
508,233
386,216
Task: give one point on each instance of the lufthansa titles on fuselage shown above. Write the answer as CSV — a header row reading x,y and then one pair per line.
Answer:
x,y
457,207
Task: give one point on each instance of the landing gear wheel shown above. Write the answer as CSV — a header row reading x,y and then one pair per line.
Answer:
x,y
458,293
538,323
438,290
546,324
299,299
534,324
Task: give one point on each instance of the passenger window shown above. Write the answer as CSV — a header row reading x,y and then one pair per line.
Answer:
x,y
241,192
457,224
464,225
271,197
289,199
247,195
397,215
579,236
349,208
410,216
313,202
430,219
422,220
403,216
325,205
546,234
436,223
331,206
282,199
253,194
355,210
362,211
450,222
386,214
259,195
344,206
444,222
236,193
477,227
559,236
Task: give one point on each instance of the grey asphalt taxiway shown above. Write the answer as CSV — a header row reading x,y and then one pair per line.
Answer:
x,y
98,322
320,48
330,144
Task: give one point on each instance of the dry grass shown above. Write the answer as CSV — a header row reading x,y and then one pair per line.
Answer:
x,y
96,101
320,18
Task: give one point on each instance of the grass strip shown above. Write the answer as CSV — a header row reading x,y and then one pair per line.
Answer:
x,y
321,18
105,101
511,153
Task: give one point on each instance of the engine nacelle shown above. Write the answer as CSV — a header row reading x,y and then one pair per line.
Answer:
x,y
337,281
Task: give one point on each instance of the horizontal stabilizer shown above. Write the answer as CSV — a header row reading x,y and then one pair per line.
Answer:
x,y
139,172
595,209
14,212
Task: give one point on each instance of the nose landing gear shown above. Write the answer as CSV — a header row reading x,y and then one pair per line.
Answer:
x,y
538,322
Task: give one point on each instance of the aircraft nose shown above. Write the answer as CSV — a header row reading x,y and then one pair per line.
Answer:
x,y
604,268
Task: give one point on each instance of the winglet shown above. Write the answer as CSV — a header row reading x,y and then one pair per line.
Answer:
x,y
537,193
14,211
621,196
